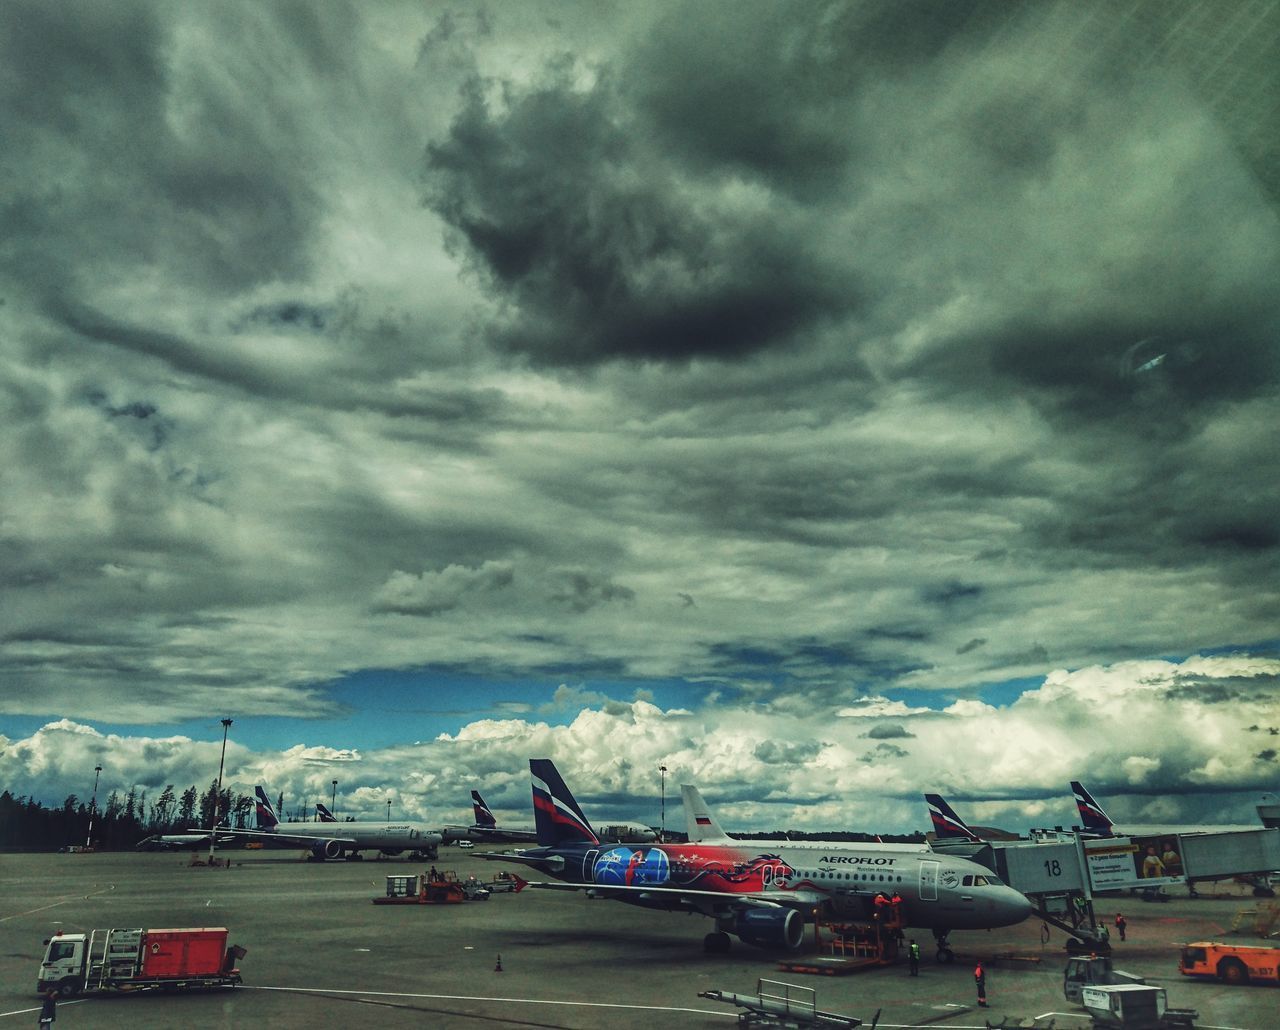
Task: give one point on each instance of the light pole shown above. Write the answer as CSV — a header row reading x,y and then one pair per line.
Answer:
x,y
388,810
217,793
333,801
93,807
662,825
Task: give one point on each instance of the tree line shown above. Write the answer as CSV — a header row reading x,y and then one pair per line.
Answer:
x,y
119,822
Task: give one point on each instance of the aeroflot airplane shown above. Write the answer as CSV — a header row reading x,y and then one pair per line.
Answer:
x,y
760,891
344,840
486,828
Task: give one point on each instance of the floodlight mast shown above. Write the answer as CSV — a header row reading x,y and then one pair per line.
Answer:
x,y
217,792
93,807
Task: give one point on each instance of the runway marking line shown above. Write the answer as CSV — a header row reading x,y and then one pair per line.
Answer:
x,y
74,897
476,997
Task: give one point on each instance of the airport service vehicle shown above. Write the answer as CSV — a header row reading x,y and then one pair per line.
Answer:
x,y
505,883
762,891
103,961
1092,971
1231,963
343,840
442,889
1134,1007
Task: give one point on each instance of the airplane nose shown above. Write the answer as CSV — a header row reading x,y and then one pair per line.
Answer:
x,y
1019,906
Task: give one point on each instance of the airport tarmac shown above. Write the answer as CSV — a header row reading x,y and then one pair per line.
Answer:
x,y
321,954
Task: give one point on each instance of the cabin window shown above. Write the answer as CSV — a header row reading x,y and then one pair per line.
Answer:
x,y
61,950
1190,956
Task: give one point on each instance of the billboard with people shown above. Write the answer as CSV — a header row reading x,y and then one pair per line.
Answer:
x,y
1117,863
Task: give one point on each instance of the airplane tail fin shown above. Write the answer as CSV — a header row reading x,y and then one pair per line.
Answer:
x,y
322,810
484,818
558,818
1092,817
946,824
700,824
267,818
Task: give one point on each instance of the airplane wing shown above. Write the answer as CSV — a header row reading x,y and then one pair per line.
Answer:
x,y
288,838
496,833
547,864
701,900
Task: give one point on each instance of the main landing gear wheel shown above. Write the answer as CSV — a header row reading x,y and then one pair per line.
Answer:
x,y
945,954
717,943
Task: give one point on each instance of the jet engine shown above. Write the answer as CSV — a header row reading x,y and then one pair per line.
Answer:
x,y
323,849
771,928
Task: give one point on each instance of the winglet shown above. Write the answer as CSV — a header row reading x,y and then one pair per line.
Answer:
x,y
700,824
946,824
1091,814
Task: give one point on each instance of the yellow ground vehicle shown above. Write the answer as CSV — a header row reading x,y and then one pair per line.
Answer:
x,y
1231,963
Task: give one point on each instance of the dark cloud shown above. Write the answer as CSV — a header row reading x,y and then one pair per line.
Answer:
x,y
604,247
582,591
888,731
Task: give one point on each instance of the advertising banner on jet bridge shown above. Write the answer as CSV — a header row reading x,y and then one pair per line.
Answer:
x,y
1117,863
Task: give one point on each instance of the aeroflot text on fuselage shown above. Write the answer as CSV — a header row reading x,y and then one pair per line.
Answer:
x,y
856,860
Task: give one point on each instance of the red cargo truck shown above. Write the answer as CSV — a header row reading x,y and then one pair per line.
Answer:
x,y
136,959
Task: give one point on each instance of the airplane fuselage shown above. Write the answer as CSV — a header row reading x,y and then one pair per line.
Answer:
x,y
391,838
937,891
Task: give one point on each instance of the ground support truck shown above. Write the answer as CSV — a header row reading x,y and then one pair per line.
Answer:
x,y
104,961
1231,963
1134,1007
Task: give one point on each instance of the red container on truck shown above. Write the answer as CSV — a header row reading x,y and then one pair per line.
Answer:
x,y
195,952
135,959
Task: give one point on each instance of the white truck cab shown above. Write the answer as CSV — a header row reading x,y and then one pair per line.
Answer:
x,y
62,968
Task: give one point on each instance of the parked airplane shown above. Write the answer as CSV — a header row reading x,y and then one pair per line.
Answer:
x,y
947,826
344,840
177,841
1095,821
760,891
487,830
325,816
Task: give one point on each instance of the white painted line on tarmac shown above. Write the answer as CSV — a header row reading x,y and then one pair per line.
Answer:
x,y
36,1008
1075,1015
477,997
73,897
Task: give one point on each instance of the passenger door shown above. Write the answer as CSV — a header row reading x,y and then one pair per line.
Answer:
x,y
928,880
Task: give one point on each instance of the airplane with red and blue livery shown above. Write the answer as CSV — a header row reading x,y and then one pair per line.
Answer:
x,y
761,891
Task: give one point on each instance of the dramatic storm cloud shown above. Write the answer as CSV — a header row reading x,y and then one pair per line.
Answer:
x,y
783,394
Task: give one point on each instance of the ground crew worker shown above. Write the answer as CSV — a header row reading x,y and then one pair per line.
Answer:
x,y
1120,925
913,956
980,981
49,1010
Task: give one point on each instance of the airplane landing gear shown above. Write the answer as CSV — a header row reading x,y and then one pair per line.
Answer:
x,y
945,954
717,943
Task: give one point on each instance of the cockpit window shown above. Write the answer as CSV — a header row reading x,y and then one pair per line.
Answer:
x,y
967,881
979,881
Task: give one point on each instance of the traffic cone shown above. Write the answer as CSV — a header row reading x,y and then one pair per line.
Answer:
x,y
498,967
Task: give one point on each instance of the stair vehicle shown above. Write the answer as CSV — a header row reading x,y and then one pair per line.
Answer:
x,y
119,960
